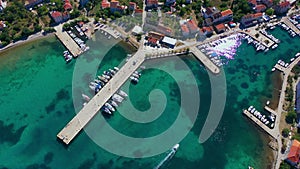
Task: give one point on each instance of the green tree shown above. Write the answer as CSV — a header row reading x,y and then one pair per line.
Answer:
x,y
291,117
270,11
284,165
285,132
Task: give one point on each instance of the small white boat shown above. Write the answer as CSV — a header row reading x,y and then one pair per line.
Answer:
x,y
116,68
113,103
117,98
92,87
273,69
86,98
110,107
122,93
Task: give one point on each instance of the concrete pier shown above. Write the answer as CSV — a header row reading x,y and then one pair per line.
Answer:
x,y
270,110
68,133
271,132
280,68
205,60
291,25
69,43
261,38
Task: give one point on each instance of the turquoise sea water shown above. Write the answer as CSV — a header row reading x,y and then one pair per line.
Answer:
x,y
36,102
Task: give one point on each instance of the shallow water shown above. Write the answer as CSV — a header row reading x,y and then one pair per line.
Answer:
x,y
36,102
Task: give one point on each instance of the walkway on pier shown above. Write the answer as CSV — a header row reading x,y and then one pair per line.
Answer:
x,y
68,42
271,132
205,60
279,67
270,110
290,25
68,133
115,34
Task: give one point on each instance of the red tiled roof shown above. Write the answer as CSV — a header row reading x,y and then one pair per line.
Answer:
x,y
67,6
207,29
226,12
284,4
220,27
294,153
114,4
138,10
105,4
192,25
152,40
260,7
252,2
184,28
56,14
152,2
132,3
1,24
257,15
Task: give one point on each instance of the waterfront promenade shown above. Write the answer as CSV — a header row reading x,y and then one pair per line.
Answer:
x,y
68,133
279,67
286,73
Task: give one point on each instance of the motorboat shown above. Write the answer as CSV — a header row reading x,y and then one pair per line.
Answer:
x,y
110,107
85,97
122,93
113,103
117,98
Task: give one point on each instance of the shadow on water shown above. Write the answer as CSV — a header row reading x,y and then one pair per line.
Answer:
x,y
9,134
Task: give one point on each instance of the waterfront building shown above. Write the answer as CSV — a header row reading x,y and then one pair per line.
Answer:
x,y
251,19
294,153
31,3
105,4
208,31
282,8
137,30
220,28
83,2
168,42
132,6
260,8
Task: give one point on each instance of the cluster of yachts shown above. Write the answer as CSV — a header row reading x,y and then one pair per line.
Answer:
x,y
258,46
68,57
135,77
211,55
101,80
78,41
263,118
111,105
285,27
294,19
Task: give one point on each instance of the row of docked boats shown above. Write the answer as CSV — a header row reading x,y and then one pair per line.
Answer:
x,y
264,32
111,105
258,46
284,64
101,80
263,118
67,56
135,77
285,27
